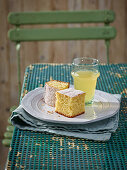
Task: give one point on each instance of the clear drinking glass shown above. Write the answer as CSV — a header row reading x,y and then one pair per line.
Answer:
x,y
85,72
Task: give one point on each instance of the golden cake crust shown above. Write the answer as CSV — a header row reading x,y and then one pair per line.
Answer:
x,y
69,116
57,81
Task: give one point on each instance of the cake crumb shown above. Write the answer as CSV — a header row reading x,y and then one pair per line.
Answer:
x,y
51,112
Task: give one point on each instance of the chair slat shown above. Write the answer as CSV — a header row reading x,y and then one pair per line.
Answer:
x,y
106,32
58,17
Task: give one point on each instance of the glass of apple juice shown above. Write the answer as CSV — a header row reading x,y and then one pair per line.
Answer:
x,y
85,72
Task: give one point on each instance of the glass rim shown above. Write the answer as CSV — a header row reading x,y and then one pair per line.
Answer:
x,y
88,58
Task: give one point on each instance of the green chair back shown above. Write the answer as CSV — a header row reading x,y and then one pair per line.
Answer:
x,y
18,34
59,17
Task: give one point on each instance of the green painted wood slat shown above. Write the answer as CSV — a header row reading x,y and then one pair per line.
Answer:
x,y
58,17
88,33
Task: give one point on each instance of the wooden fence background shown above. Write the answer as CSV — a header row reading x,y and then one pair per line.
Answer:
x,y
61,52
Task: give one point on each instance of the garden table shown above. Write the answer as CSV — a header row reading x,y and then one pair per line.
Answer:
x,y
36,150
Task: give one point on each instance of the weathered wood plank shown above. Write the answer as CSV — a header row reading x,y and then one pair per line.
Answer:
x,y
4,154
125,45
15,6
58,48
44,48
101,48
117,49
74,48
90,47
30,48
4,68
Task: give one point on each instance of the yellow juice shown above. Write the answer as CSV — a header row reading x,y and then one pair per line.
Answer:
x,y
86,81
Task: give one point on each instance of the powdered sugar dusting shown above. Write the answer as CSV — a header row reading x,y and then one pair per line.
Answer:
x,y
50,91
71,92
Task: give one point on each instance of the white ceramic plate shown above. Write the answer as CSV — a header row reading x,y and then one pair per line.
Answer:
x,y
104,106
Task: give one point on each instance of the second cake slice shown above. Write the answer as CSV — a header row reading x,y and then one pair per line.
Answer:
x,y
51,87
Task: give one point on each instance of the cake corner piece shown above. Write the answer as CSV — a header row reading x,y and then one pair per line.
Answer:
x,y
70,102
